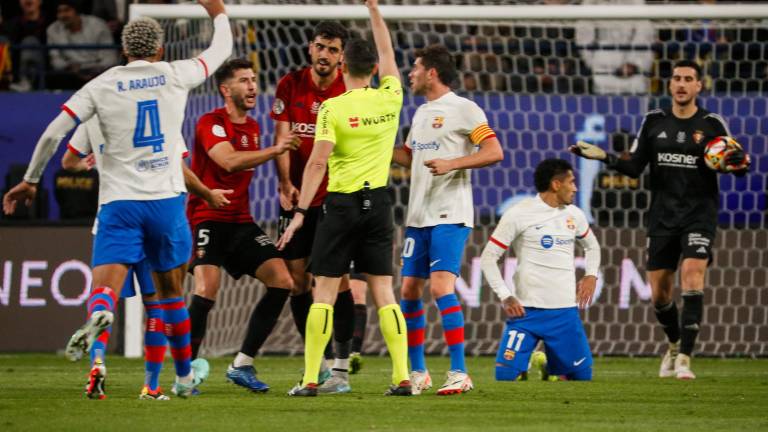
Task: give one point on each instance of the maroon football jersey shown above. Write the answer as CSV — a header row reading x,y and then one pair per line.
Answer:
x,y
213,128
297,101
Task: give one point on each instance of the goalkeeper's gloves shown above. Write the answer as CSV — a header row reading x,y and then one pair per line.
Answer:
x,y
737,161
589,151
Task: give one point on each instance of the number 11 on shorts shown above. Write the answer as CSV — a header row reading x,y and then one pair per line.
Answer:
x,y
514,334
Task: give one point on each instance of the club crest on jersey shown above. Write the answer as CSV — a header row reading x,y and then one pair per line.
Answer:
x,y
570,223
437,122
278,106
315,107
218,131
354,122
680,137
697,136
200,253
509,355
244,141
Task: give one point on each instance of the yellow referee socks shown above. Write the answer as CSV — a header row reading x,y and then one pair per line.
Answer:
x,y
395,334
319,329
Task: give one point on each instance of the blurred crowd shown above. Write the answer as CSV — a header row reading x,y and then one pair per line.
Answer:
x,y
584,57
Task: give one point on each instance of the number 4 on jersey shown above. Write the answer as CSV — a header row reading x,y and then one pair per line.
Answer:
x,y
148,112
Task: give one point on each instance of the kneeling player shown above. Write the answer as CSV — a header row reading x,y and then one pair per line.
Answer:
x,y
542,231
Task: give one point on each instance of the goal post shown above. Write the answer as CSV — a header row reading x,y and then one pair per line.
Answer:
x,y
461,12
533,69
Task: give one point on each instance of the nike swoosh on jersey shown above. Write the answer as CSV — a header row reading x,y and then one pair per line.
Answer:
x,y
434,262
538,227
576,363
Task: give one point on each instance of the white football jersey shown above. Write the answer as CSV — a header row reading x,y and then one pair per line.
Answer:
x,y
543,239
87,136
88,139
140,108
449,127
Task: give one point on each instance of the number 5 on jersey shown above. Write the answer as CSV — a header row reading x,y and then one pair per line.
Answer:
x,y
148,112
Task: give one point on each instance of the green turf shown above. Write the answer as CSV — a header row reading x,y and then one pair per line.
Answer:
x,y
43,392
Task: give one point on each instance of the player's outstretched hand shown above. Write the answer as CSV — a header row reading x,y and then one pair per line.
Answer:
x,y
372,4
585,290
21,192
287,142
295,225
289,195
512,307
587,150
218,198
439,167
213,7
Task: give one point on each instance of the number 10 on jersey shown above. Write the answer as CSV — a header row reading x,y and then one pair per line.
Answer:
x,y
148,112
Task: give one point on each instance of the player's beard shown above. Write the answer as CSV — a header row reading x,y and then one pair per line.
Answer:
x,y
419,89
241,103
330,69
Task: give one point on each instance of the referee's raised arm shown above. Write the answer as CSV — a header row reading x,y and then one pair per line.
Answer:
x,y
387,64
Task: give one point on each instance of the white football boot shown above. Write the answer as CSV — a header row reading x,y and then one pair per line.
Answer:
x,y
420,382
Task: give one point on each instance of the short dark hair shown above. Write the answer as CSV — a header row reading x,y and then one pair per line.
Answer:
x,y
547,170
691,64
227,70
331,30
360,57
439,58
77,5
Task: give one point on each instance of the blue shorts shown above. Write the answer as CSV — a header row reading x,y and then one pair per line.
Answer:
x,y
565,341
143,276
128,232
436,248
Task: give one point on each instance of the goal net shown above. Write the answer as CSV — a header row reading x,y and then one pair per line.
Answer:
x,y
545,78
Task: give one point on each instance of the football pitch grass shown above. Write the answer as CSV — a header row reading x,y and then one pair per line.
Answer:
x,y
44,392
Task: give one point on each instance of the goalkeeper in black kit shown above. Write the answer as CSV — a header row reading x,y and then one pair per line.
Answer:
x,y
682,218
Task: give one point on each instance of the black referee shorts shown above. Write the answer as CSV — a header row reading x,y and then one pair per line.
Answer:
x,y
300,245
665,252
346,232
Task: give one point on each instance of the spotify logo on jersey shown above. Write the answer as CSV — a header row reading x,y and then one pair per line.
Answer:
x,y
547,242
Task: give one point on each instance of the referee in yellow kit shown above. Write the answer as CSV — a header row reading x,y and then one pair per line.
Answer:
x,y
355,135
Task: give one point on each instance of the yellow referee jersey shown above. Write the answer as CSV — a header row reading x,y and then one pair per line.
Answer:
x,y
363,124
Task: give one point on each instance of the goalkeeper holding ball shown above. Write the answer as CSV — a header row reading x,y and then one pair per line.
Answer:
x,y
682,218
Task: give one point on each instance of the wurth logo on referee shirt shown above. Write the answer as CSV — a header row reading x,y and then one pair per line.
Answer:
x,y
371,121
368,121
